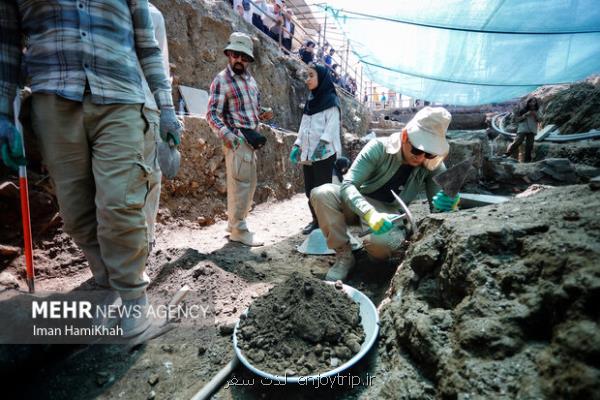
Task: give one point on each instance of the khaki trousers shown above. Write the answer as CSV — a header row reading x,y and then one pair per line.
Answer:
x,y
241,184
334,215
151,141
95,156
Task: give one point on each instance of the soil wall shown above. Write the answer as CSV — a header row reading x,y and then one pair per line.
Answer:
x,y
199,191
492,303
197,32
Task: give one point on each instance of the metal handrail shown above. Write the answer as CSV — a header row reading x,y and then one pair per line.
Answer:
x,y
306,34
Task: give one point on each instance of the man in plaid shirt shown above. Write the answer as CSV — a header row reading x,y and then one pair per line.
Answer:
x,y
81,59
234,104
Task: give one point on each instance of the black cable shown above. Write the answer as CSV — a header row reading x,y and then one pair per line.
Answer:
x,y
336,15
454,81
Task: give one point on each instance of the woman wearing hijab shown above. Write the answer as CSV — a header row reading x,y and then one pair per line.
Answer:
x,y
318,143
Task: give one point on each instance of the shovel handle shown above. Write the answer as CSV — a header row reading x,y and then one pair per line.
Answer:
x,y
217,381
26,219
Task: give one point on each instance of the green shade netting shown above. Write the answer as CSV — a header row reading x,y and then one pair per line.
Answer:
x,y
471,52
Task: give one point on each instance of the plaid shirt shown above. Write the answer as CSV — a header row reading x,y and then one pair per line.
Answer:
x,y
70,42
233,102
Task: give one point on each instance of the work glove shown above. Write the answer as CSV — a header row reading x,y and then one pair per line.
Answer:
x,y
11,143
378,222
442,202
170,127
320,151
295,155
232,141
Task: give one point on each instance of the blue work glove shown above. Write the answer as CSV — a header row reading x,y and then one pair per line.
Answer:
x,y
295,155
443,203
378,222
170,127
11,143
320,151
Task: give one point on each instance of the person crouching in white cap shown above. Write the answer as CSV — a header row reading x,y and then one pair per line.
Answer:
x,y
404,162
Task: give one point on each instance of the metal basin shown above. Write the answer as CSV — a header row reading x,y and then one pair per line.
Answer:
x,y
370,323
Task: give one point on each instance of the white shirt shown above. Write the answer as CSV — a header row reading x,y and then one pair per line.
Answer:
x,y
271,22
247,15
325,126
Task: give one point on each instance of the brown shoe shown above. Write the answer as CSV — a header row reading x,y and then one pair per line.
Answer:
x,y
245,237
344,262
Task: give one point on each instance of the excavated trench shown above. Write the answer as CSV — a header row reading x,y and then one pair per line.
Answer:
x,y
491,302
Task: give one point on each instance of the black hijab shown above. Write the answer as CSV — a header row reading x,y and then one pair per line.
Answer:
x,y
324,96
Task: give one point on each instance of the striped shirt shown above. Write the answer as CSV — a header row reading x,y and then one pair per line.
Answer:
x,y
233,102
69,43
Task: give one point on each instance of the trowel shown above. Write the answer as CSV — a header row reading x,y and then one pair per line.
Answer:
x,y
169,159
452,179
410,225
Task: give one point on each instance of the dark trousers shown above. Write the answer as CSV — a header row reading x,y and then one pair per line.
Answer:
x,y
315,175
513,148
274,36
287,43
257,22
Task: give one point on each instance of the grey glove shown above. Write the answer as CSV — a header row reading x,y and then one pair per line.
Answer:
x,y
170,127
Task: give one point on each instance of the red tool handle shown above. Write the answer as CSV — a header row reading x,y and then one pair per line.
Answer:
x,y
26,219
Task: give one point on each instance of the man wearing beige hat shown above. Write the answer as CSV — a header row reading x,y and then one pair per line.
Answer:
x,y
234,113
405,162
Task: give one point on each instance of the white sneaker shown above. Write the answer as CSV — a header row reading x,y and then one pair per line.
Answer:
x,y
344,262
245,237
135,319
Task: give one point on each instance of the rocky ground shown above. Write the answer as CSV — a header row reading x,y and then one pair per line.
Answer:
x,y
495,302
502,304
498,302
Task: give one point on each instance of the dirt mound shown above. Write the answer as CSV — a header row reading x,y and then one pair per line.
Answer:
x,y
574,110
302,327
502,303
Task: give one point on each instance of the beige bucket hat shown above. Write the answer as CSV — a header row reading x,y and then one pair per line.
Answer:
x,y
426,131
241,42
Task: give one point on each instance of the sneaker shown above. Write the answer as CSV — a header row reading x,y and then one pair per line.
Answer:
x,y
135,319
105,299
244,237
344,262
310,227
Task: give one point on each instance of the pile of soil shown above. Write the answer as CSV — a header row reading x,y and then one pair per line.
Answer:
x,y
301,327
575,110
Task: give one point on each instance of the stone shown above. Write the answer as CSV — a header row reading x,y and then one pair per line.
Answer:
x,y
8,280
595,183
9,251
226,329
153,379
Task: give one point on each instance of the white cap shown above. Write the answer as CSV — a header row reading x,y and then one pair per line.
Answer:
x,y
427,130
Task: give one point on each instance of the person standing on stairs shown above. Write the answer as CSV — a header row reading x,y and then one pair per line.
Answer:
x,y
318,143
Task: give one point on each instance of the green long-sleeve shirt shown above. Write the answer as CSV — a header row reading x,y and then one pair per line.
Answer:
x,y
373,167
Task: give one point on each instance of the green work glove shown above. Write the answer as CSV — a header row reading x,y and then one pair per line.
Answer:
x,y
170,127
443,203
295,155
378,222
232,141
11,144
320,151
